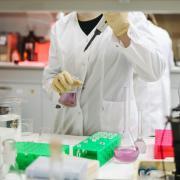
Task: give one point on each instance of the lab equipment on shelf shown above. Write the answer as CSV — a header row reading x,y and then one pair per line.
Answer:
x,y
27,152
127,152
10,117
100,146
9,46
29,46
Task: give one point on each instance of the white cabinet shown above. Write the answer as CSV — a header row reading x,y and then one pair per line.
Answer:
x,y
27,84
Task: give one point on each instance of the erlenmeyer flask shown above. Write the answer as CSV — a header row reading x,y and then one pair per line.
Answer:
x,y
127,152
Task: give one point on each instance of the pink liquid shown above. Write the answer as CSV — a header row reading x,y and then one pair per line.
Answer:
x,y
126,155
68,99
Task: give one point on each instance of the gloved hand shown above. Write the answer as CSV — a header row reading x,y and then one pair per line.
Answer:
x,y
118,22
65,82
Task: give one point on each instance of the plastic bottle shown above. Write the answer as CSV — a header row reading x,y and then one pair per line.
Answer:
x,y
29,46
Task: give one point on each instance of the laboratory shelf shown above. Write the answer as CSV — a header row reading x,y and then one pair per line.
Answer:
x,y
168,6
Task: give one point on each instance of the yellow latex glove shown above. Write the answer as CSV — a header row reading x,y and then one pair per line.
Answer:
x,y
65,82
118,22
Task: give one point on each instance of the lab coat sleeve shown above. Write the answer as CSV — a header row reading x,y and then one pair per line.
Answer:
x,y
52,69
171,57
165,82
145,52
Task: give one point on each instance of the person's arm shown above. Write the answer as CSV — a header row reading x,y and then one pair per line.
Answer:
x,y
140,46
53,67
57,81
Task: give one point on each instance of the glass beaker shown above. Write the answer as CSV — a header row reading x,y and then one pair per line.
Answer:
x,y
68,99
27,127
9,155
127,152
10,117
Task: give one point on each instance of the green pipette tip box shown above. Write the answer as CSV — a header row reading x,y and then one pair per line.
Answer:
x,y
27,152
100,146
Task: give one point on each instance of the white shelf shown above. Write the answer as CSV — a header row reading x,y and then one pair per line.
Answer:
x,y
22,65
156,6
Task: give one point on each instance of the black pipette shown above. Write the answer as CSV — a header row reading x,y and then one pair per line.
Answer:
x,y
100,28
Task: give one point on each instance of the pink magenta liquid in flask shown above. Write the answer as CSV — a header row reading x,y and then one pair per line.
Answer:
x,y
127,152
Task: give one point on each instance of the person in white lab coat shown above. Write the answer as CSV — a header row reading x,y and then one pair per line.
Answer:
x,y
153,98
105,69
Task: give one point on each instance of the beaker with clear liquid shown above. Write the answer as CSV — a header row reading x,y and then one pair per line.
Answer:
x,y
127,152
10,117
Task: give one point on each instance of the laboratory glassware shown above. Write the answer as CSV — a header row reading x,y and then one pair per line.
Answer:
x,y
127,152
68,99
140,143
27,127
9,159
10,116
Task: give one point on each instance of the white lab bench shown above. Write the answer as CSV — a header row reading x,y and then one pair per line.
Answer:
x,y
111,170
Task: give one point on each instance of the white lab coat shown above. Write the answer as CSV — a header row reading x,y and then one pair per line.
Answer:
x,y
105,68
154,98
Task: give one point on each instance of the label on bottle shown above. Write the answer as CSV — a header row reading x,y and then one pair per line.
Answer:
x,y
29,46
